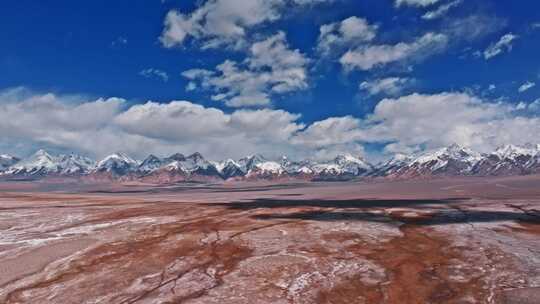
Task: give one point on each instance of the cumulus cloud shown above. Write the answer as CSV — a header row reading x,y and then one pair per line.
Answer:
x,y
526,86
388,86
151,72
186,127
372,56
271,68
432,121
497,48
417,3
331,131
350,32
100,126
57,121
177,120
183,120
532,108
441,10
353,39
218,23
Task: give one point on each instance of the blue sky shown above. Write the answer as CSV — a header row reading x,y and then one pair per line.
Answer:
x,y
264,58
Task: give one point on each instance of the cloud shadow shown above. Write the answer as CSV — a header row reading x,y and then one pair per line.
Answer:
x,y
420,212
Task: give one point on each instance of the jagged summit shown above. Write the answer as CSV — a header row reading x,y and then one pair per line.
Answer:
x,y
7,161
454,160
116,164
177,157
43,163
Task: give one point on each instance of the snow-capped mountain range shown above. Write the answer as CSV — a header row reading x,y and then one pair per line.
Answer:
x,y
42,163
450,161
7,161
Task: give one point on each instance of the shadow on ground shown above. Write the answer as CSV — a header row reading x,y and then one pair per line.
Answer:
x,y
430,211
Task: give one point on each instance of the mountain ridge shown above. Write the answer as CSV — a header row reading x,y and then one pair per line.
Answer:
x,y
449,161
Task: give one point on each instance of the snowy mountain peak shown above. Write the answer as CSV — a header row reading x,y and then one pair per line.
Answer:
x,y
270,167
255,158
39,160
177,157
42,153
116,158
196,156
512,151
150,163
8,157
249,162
454,160
42,162
454,148
117,163
267,169
454,152
226,164
193,165
396,160
150,159
346,159
400,157
196,160
7,161
120,157
73,163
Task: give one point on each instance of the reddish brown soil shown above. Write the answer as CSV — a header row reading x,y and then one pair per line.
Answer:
x,y
448,242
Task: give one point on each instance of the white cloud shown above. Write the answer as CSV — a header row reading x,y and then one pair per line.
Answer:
x,y
119,41
187,127
164,121
534,106
311,2
356,49
331,131
218,23
350,32
369,57
505,43
526,86
442,119
418,3
472,27
531,108
271,68
59,121
441,10
389,86
98,127
151,72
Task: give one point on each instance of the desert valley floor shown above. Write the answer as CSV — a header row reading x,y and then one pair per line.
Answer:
x,y
460,240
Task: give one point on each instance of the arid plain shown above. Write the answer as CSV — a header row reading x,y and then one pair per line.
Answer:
x,y
459,240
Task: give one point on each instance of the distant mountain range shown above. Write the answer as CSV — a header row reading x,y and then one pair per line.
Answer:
x,y
446,162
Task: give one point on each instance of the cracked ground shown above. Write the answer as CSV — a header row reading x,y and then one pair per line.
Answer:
x,y
441,241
